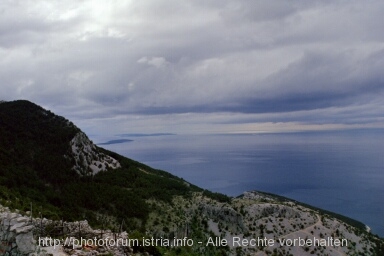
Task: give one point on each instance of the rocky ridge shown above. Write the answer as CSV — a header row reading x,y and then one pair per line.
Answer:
x,y
249,218
256,215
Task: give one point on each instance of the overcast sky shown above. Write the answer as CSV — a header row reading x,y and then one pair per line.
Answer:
x,y
197,66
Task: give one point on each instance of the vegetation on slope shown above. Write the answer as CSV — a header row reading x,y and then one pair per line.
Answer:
x,y
355,223
36,174
34,171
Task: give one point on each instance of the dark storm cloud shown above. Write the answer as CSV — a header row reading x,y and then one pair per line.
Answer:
x,y
314,82
196,64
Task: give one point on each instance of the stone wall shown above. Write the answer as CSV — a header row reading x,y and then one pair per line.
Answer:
x,y
16,235
19,236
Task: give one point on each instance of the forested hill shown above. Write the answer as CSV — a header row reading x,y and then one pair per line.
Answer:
x,y
47,162
50,168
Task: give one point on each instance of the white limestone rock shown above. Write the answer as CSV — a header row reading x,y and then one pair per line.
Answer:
x,y
88,160
25,243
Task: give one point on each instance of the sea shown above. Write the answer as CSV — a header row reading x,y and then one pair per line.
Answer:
x,y
339,171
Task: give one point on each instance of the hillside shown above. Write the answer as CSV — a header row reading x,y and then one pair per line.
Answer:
x,y
50,169
46,160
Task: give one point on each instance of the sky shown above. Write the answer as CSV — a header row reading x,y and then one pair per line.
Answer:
x,y
201,66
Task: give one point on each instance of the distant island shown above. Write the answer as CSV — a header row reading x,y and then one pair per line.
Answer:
x,y
144,134
115,142
118,141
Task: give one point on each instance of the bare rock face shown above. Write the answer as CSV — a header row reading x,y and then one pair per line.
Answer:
x,y
88,160
16,234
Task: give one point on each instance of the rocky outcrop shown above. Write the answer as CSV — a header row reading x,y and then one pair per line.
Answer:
x,y
16,235
88,159
25,236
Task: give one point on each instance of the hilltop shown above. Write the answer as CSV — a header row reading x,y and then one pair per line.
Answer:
x,y
46,160
51,170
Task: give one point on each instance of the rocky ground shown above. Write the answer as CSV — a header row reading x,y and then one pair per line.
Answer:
x,y
254,224
22,235
258,224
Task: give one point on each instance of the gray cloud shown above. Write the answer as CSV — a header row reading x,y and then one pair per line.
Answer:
x,y
149,62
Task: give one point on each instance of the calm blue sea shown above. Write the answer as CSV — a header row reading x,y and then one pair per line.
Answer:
x,y
337,171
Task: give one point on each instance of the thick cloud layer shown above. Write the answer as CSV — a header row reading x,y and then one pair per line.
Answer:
x,y
197,66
